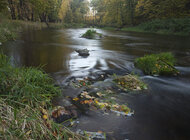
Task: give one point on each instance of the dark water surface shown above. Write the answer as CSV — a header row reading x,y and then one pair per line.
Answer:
x,y
161,113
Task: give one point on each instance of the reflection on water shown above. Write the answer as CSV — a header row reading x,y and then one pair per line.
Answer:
x,y
160,113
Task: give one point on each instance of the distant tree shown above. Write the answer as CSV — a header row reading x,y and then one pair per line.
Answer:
x,y
3,5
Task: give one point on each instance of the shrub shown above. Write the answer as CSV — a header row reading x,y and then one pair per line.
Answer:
x,y
159,64
90,34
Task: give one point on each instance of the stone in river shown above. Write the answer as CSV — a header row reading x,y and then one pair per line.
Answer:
x,y
83,52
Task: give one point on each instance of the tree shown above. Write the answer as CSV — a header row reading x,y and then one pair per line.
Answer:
x,y
3,5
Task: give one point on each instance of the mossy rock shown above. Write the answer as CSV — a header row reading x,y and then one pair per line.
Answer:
x,y
157,64
130,82
92,34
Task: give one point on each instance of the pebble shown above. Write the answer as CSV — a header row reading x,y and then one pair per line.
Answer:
x,y
0,43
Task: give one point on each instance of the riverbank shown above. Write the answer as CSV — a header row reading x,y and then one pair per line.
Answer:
x,y
179,27
10,29
25,104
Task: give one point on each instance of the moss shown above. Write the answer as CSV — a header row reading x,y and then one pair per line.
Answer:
x,y
157,64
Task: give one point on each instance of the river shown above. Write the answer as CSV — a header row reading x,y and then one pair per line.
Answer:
x,y
161,113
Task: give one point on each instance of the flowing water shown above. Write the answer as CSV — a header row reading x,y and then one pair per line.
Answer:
x,y
161,113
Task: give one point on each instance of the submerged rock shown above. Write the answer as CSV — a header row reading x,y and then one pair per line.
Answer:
x,y
0,43
61,114
130,82
92,135
83,52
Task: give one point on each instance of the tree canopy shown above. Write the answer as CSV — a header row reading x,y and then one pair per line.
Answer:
x,y
129,12
46,10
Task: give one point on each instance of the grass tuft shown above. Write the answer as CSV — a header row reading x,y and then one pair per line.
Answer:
x,y
25,95
157,64
27,85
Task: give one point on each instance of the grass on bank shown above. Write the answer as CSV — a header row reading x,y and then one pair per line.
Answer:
x,y
157,64
10,29
164,26
66,25
24,95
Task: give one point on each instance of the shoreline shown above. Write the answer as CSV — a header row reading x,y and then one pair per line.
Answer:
x,y
138,30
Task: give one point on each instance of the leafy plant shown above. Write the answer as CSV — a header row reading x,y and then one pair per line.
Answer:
x,y
160,64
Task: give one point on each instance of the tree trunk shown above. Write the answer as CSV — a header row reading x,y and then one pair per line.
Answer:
x,y
12,8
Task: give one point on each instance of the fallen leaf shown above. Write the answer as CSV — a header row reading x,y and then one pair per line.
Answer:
x,y
100,132
28,133
45,117
76,99
44,112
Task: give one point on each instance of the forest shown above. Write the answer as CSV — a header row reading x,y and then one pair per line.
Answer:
x,y
117,13
45,10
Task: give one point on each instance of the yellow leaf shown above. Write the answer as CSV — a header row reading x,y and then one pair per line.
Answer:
x,y
75,99
100,132
44,112
45,117
96,101
28,133
127,112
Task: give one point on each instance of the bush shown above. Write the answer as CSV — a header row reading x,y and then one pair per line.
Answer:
x,y
157,64
90,34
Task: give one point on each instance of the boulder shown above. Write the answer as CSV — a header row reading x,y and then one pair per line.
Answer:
x,y
83,52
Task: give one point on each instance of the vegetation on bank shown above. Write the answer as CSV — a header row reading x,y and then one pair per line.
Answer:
x,y
165,17
9,30
25,103
157,64
67,25
164,26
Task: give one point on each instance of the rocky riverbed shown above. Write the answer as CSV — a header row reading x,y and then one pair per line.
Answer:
x,y
96,93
